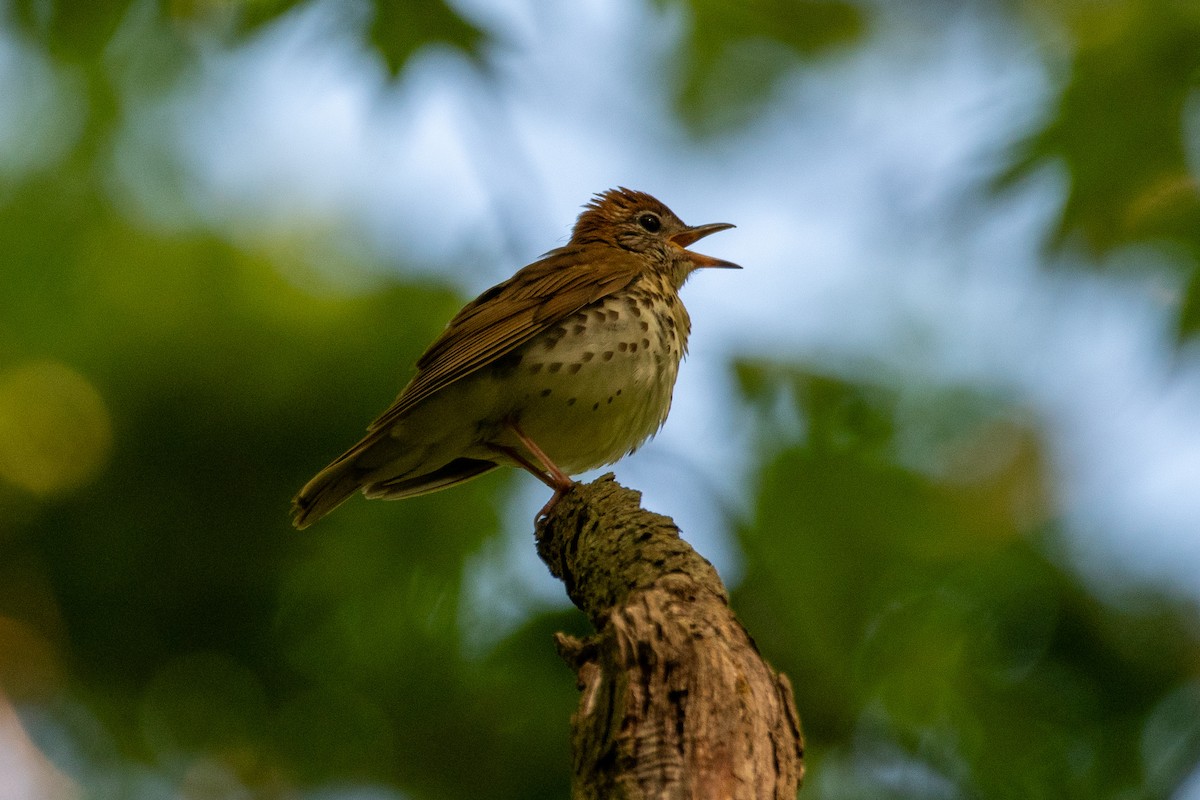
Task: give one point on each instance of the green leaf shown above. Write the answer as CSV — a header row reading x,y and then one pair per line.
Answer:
x,y
1118,127
401,27
737,52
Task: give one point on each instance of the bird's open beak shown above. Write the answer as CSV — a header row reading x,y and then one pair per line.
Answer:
x,y
696,233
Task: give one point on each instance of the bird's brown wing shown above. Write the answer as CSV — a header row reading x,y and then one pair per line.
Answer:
x,y
510,314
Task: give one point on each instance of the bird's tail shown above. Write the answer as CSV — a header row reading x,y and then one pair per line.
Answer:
x,y
348,473
383,469
328,490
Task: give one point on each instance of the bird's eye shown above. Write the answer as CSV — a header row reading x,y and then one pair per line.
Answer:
x,y
650,222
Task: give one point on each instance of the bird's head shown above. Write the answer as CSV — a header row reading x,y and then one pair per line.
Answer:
x,y
639,223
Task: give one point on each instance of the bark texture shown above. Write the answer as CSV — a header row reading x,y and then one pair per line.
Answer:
x,y
676,701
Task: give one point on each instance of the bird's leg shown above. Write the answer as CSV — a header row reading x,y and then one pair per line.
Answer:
x,y
525,463
557,478
546,470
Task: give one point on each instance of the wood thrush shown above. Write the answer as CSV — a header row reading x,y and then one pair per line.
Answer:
x,y
566,366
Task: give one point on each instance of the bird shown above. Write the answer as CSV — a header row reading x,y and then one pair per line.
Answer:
x,y
567,366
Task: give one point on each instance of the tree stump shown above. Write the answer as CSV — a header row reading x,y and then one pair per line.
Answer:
x,y
676,701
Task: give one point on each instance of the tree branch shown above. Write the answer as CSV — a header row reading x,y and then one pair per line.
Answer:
x,y
676,701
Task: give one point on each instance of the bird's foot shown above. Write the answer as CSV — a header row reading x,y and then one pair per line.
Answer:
x,y
559,492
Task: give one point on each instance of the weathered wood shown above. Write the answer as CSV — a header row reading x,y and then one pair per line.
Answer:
x,y
676,701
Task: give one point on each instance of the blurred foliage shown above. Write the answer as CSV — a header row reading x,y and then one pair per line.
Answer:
x,y
1133,69
897,570
80,30
1119,131
164,632
737,52
398,27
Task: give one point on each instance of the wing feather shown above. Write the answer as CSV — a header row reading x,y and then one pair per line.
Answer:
x,y
510,314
